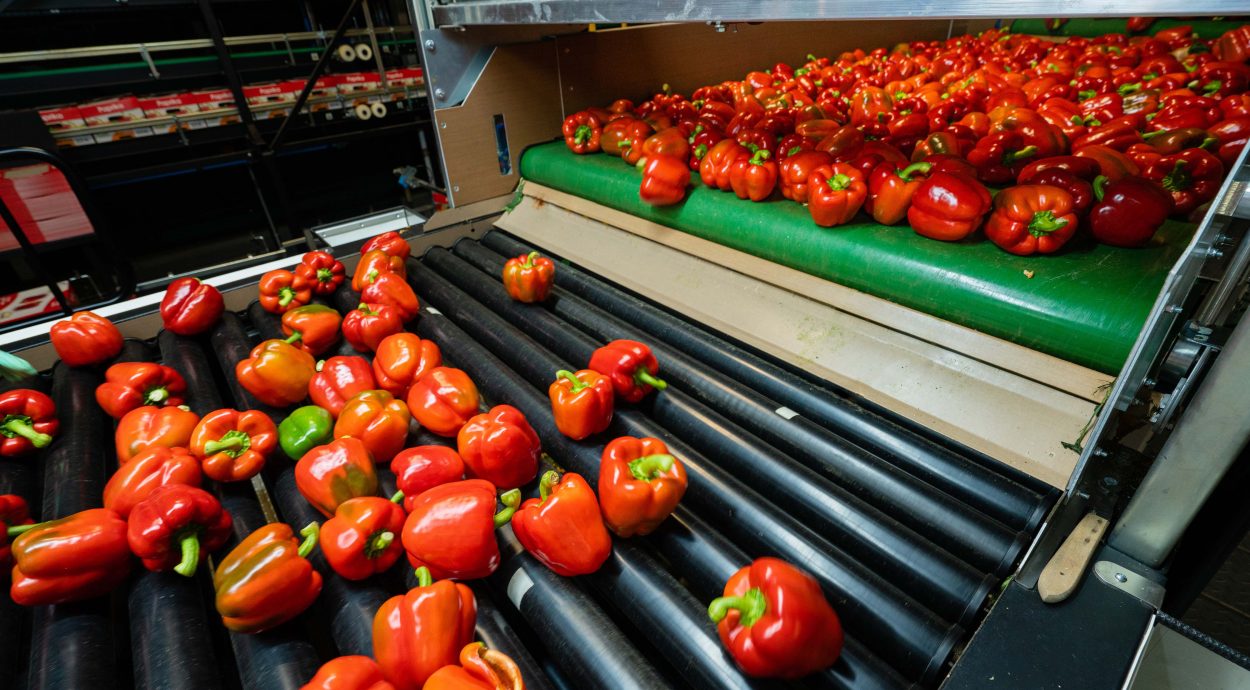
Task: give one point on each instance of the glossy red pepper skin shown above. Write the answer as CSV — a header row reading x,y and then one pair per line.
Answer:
x,y
13,513
528,278
1192,177
714,169
276,373
1031,219
27,422
1128,211
85,338
501,447
1233,45
640,484
835,194
149,426
329,475
362,539
480,669
366,325
754,178
793,172
148,471
1111,163
403,359
1081,191
631,366
282,290
581,403
321,271
378,419
998,158
421,468
1084,168
451,528
776,622
1231,136
175,527
82,556
349,673
191,307
373,264
390,243
667,142
339,379
128,385
664,180
582,131
267,580
233,446
624,138
417,633
392,289
443,400
563,529
891,188
948,207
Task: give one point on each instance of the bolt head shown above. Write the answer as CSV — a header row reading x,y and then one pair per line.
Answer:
x,y
1120,577
429,44
440,94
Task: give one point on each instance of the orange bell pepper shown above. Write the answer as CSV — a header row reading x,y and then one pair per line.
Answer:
x,y
147,426
148,471
640,484
528,278
581,403
329,475
500,446
401,360
480,669
563,529
390,243
276,372
267,580
232,446
82,556
85,338
349,673
417,633
378,419
392,289
373,264
443,400
128,385
362,538
281,291
316,325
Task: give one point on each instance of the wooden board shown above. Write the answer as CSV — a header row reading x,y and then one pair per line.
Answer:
x,y
1063,573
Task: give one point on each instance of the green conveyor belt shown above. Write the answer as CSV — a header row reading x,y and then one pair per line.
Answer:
x,y
1086,304
1203,28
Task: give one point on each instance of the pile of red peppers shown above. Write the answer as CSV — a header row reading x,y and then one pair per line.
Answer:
x,y
1135,129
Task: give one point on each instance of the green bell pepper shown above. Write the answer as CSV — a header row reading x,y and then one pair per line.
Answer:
x,y
304,429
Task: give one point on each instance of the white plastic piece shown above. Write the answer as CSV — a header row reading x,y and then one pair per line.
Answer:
x,y
363,111
364,52
786,413
379,109
346,52
518,585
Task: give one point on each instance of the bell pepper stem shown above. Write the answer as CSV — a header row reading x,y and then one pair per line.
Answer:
x,y
157,396
310,533
233,443
1151,135
578,384
424,579
398,497
1208,143
549,480
379,543
839,182
1045,222
1177,179
1023,153
644,376
324,275
17,530
190,545
295,338
650,467
582,134
529,260
1100,187
921,167
751,605
511,500
285,295
20,425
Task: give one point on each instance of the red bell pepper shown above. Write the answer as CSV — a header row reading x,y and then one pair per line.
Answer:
x,y
329,475
581,403
948,207
1233,45
1190,111
191,307
401,360
421,468
640,484
754,178
1237,105
582,131
85,338
27,422
793,172
1168,141
281,290
175,527
500,446
664,180
362,537
1117,134
1111,163
528,278
13,513
417,633
233,446
375,263
148,471
480,669
1084,168
998,158
776,622
941,143
349,673
666,142
1128,212
443,400
715,167
1192,177
563,528
267,580
366,325
392,289
316,325
276,373
378,419
891,188
631,366
390,243
321,271
620,136
1031,219
1231,136
128,385
82,556
1081,191
1139,25
339,379
148,426
835,194
451,528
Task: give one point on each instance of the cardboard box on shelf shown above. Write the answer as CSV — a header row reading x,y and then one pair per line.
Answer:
x,y
277,92
327,85
110,110
214,99
406,76
170,104
359,81
33,302
127,133
61,119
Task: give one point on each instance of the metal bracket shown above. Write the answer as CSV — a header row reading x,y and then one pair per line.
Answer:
x,y
453,62
147,57
1141,588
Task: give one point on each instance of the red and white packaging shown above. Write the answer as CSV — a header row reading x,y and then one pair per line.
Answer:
x,y
278,92
42,203
108,111
214,99
170,104
407,76
61,119
325,86
36,301
359,81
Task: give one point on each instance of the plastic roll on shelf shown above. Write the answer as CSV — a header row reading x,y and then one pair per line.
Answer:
x,y
1011,497
950,587
363,111
378,108
364,52
345,52
496,633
